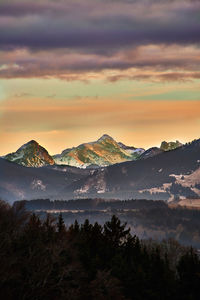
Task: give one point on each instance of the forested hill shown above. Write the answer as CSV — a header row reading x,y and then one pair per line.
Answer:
x,y
46,260
146,218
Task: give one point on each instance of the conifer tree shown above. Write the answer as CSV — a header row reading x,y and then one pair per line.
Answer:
x,y
115,232
61,224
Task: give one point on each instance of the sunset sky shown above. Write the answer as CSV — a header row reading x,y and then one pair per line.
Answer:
x,y
72,70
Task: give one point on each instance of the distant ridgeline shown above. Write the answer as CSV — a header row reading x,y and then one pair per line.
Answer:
x,y
170,175
90,204
103,152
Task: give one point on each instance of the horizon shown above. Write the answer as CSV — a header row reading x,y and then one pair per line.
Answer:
x,y
87,142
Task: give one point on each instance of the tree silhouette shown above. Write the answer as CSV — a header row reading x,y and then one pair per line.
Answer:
x,y
61,224
115,232
42,259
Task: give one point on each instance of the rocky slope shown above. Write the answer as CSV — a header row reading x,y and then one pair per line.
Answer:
x,y
103,152
31,154
167,146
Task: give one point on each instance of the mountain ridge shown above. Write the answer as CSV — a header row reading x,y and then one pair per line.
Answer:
x,y
170,175
166,176
103,152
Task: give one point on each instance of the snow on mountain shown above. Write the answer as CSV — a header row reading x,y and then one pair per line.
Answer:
x,y
103,152
31,154
170,175
164,175
131,149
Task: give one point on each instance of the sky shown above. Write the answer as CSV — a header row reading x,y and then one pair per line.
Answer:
x,y
73,70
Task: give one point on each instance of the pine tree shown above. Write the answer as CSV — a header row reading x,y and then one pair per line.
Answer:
x,y
115,232
61,224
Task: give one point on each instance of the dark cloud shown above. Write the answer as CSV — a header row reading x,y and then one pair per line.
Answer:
x,y
21,8
95,25
99,33
158,77
140,62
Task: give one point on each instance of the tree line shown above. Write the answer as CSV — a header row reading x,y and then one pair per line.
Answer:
x,y
44,259
91,204
146,217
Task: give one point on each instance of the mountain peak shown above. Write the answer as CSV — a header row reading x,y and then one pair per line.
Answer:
x,y
104,137
167,146
30,143
31,154
103,152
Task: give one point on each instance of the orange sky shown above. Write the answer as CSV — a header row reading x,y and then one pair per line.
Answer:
x,y
57,126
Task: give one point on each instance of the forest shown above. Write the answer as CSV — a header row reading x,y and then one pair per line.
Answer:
x,y
91,204
146,218
42,258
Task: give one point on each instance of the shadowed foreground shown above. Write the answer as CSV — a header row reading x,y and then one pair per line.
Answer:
x,y
46,260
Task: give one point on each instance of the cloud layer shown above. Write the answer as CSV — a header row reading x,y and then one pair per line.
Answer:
x,y
156,40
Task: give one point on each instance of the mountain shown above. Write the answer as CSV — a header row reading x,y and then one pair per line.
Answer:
x,y
131,149
19,182
151,152
103,152
31,154
168,175
167,146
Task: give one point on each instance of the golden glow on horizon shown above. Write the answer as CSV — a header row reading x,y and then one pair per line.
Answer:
x,y
59,125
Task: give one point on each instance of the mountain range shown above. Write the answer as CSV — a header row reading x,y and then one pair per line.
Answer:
x,y
155,174
103,152
169,175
